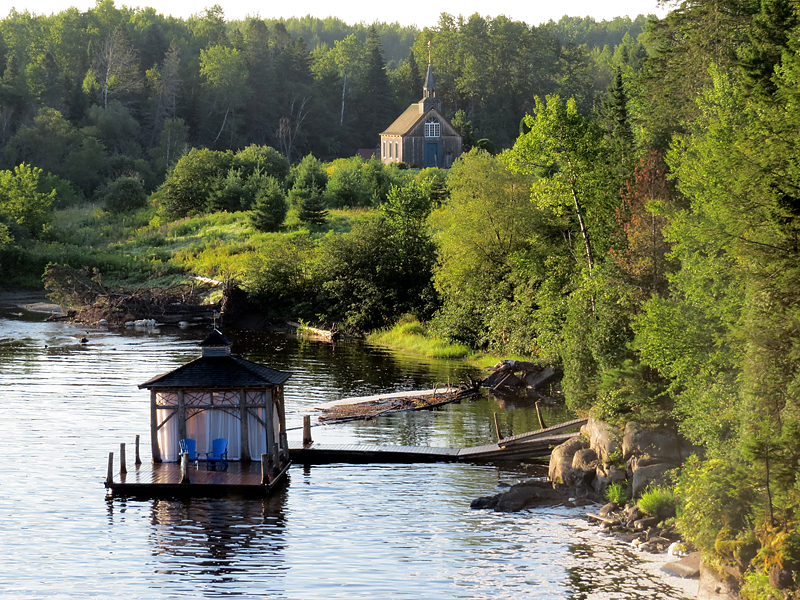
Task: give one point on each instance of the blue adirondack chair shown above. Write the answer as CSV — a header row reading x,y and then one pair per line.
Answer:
x,y
188,446
218,454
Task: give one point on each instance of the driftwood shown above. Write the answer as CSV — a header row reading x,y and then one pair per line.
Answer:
x,y
327,334
170,306
369,410
512,376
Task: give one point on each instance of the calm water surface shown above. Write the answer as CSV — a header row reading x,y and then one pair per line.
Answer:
x,y
339,531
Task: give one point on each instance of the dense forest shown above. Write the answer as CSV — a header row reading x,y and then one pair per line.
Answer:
x,y
628,207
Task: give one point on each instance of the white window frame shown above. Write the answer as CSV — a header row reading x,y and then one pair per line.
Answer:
x,y
433,128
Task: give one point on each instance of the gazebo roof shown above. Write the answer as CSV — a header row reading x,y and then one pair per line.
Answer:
x,y
227,372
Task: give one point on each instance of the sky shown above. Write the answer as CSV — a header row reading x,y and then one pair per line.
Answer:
x,y
408,12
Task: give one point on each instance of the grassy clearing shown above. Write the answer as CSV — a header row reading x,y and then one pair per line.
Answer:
x,y
137,247
410,335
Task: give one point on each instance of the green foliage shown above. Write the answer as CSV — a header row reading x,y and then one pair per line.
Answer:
x,y
270,206
617,493
125,194
410,335
347,186
715,494
24,210
657,500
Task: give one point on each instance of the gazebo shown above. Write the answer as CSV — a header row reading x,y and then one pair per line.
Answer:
x,y
219,395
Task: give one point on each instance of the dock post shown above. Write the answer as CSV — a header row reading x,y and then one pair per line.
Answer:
x,y
264,469
307,441
138,460
110,472
123,468
497,426
185,467
539,415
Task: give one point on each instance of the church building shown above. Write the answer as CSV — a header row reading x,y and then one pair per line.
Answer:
x,y
422,136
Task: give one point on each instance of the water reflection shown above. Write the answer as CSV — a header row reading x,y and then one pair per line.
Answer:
x,y
338,531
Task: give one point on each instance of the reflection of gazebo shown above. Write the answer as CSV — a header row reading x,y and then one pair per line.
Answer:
x,y
219,396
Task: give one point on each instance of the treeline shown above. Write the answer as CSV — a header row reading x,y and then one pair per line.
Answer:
x,y
91,96
642,229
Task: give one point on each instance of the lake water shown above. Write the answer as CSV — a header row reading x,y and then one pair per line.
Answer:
x,y
338,531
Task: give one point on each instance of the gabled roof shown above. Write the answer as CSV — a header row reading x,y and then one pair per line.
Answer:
x,y
228,372
404,122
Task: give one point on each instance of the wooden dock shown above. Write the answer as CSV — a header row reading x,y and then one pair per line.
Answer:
x,y
163,480
246,479
315,453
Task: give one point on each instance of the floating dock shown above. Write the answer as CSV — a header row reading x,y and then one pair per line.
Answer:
x,y
248,479
173,480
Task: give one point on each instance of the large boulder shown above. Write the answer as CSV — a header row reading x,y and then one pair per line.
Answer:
x,y
648,442
716,586
605,475
528,494
603,438
646,472
560,471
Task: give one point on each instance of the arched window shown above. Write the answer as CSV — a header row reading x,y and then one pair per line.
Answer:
x,y
432,127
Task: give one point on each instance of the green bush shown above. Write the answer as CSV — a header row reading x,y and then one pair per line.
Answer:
x,y
125,194
656,499
617,493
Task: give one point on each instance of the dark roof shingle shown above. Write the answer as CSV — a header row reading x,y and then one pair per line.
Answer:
x,y
218,372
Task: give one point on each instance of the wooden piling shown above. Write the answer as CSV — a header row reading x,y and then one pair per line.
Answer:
x,y
264,469
185,468
110,472
539,415
307,441
123,467
497,426
138,460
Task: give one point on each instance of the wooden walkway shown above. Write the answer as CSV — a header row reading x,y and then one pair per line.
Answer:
x,y
315,453
163,480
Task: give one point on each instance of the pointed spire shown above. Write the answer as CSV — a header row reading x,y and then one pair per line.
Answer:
x,y
429,89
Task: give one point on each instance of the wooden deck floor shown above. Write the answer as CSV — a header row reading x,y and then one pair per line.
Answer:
x,y
164,480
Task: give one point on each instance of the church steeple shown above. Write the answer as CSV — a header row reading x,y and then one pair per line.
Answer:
x,y
429,89
429,99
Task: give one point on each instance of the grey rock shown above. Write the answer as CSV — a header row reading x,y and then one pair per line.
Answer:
x,y
716,586
645,523
603,438
607,509
640,441
605,475
485,502
560,470
644,476
687,567
529,494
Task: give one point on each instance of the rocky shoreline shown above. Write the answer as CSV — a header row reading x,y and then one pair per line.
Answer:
x,y
635,456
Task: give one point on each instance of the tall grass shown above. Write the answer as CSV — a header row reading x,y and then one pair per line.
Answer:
x,y
657,498
410,335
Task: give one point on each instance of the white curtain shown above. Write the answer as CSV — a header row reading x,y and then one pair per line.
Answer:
x,y
196,430
256,435
168,435
276,425
222,424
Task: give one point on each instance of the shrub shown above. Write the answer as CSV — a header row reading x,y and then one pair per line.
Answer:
x,y
125,194
270,207
656,500
617,493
